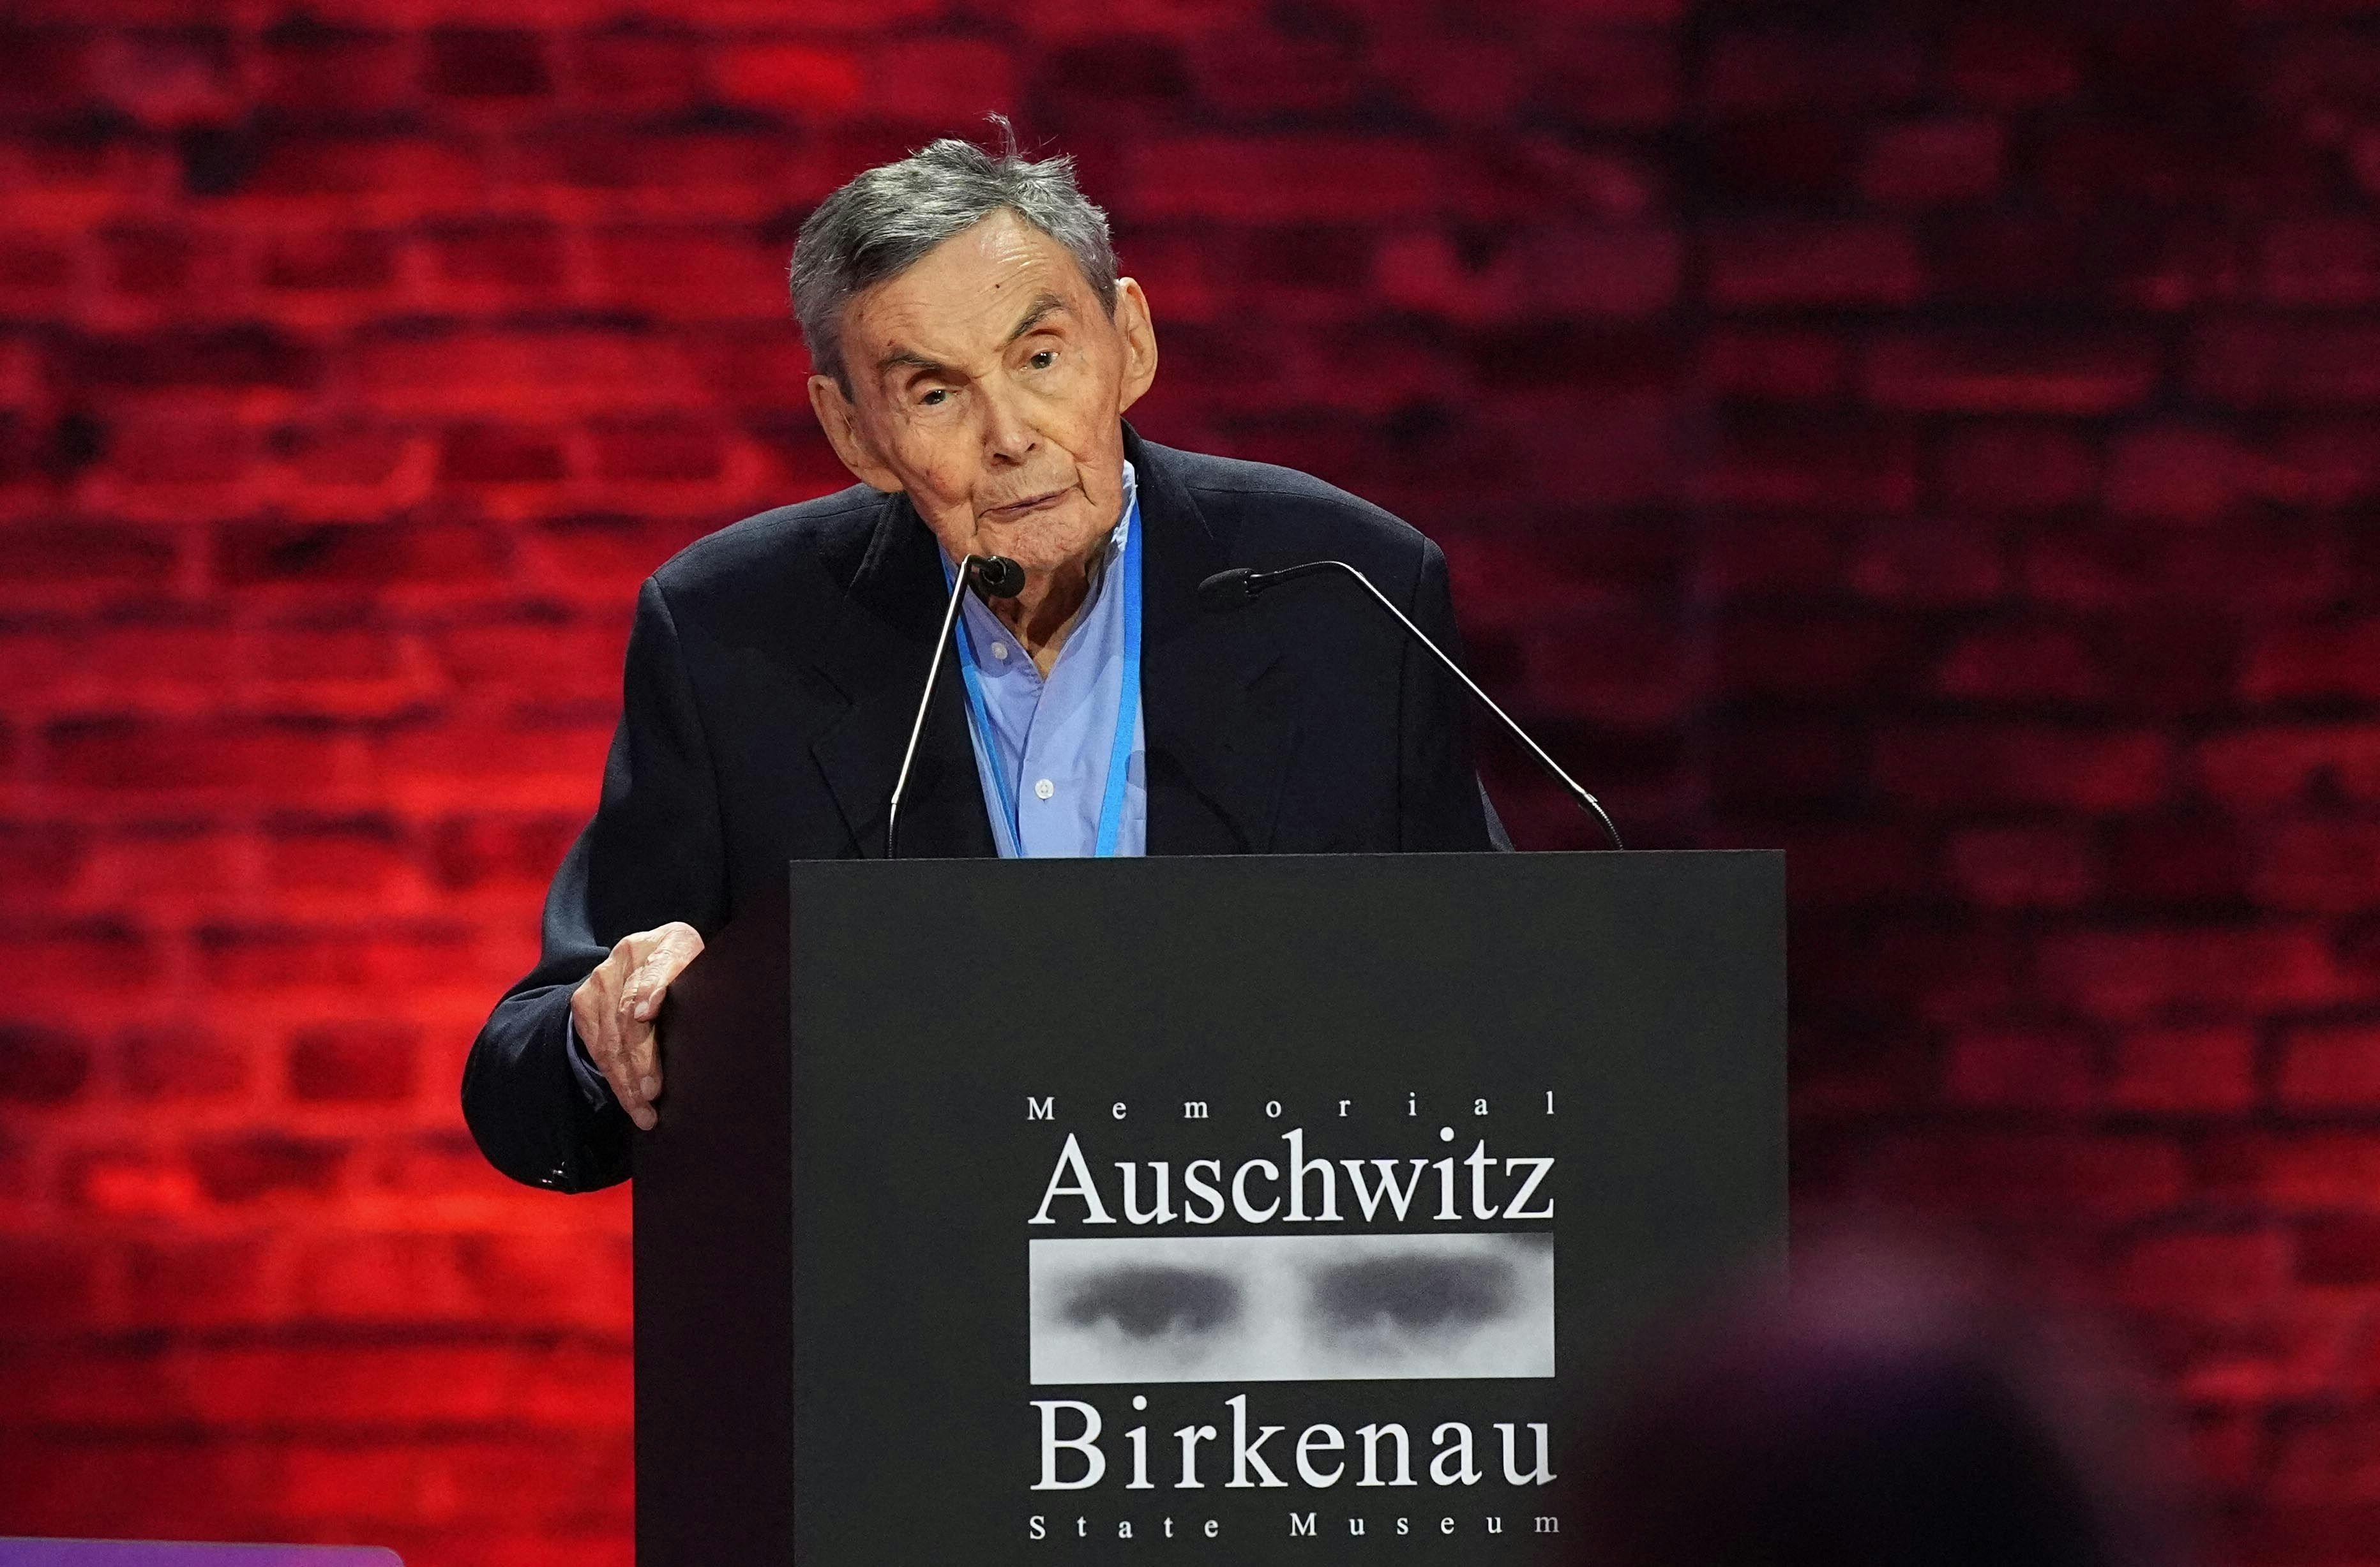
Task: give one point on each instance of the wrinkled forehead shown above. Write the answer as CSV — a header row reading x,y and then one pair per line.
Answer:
x,y
967,295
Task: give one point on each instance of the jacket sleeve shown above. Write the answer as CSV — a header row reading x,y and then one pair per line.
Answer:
x,y
653,853
1441,804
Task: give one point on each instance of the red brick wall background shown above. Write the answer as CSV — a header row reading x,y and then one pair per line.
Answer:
x,y
1938,438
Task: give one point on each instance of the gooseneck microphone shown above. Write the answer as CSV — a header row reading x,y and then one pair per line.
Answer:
x,y
1229,589
995,576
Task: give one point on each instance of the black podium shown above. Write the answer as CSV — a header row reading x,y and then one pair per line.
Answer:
x,y
1232,1210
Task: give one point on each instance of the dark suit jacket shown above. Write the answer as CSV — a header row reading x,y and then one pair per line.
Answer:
x,y
772,674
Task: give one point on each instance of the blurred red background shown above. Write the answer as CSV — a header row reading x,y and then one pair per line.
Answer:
x,y
1939,439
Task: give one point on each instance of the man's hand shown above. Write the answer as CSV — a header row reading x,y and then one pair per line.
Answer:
x,y
614,1009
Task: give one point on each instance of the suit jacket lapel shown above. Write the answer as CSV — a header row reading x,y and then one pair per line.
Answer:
x,y
1219,732
876,655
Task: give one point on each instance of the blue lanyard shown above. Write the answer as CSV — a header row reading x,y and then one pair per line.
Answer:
x,y
1127,710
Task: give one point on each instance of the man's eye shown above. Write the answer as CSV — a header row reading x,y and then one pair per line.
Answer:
x,y
935,398
1043,359
1416,1293
1147,1302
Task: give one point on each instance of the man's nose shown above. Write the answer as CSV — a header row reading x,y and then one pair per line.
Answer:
x,y
1008,436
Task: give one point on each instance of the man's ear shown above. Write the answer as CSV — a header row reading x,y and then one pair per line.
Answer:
x,y
1131,319
841,423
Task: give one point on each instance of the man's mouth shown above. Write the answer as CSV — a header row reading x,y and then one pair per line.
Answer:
x,y
1026,507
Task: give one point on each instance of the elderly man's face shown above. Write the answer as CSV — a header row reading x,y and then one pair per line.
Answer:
x,y
988,382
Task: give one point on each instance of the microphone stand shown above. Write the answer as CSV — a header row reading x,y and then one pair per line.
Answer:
x,y
998,577
1227,590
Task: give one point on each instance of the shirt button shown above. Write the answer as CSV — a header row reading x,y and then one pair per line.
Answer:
x,y
1000,649
1044,789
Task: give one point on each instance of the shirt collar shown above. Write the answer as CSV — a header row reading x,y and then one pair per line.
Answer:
x,y
1114,546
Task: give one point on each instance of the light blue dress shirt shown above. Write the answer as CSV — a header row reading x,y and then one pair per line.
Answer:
x,y
1049,737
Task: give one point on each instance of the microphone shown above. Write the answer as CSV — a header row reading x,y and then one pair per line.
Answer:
x,y
995,576
1229,589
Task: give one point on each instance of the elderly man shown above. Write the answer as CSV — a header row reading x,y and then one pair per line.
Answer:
x,y
975,354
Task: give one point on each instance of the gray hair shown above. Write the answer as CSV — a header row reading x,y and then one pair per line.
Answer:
x,y
877,227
